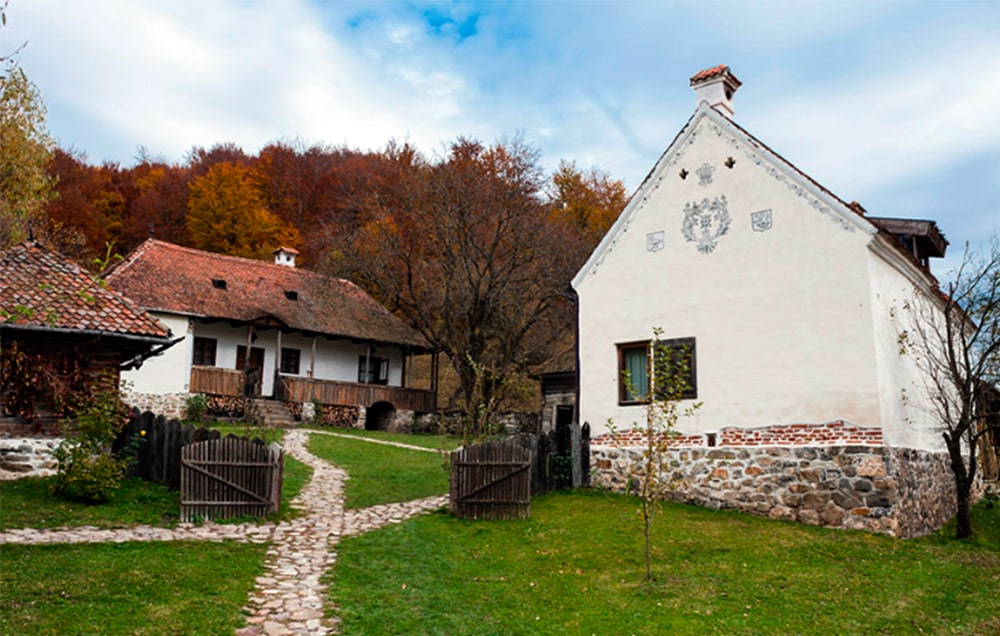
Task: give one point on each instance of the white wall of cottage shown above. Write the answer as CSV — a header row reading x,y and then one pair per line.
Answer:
x,y
169,371
335,359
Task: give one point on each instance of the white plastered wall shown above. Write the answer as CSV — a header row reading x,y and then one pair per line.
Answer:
x,y
168,372
782,318
907,412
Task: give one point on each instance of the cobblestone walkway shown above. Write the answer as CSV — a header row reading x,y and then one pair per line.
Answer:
x,y
288,598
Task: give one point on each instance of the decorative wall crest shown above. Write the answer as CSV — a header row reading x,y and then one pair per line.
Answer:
x,y
761,221
705,174
654,241
705,222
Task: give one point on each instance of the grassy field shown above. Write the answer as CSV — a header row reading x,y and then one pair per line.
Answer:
x,y
576,568
382,474
29,503
127,588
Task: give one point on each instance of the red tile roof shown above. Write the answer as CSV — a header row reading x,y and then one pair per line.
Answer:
x,y
42,289
715,71
170,278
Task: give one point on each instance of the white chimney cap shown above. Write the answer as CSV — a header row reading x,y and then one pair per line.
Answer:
x,y
716,86
285,256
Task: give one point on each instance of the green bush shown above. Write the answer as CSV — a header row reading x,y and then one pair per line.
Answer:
x,y
87,469
196,407
86,476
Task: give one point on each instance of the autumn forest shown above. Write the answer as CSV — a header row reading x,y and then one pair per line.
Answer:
x,y
474,246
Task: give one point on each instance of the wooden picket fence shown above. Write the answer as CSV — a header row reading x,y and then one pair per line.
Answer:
x,y
230,477
159,442
491,481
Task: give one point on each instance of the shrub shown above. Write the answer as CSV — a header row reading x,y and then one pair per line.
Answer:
x,y
86,476
196,406
87,469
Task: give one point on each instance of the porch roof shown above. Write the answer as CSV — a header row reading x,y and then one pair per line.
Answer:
x,y
170,278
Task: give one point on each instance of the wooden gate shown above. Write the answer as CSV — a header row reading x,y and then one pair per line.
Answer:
x,y
491,481
230,477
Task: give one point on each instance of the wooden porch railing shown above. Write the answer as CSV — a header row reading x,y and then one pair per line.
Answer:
x,y
293,389
217,381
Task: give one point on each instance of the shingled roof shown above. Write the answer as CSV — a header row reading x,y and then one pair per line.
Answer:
x,y
170,278
43,290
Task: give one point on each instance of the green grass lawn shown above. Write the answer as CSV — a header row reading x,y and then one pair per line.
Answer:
x,y
437,442
382,474
576,567
29,503
126,588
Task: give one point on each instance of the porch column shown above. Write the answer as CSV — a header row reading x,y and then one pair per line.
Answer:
x,y
402,376
434,372
368,364
312,360
246,358
277,357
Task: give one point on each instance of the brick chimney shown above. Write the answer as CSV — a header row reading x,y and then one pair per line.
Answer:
x,y
716,86
285,256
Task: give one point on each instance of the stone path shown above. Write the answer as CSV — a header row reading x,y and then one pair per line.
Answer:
x,y
288,598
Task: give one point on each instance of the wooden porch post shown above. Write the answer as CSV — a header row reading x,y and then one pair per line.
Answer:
x,y
402,376
277,357
312,360
246,358
368,363
434,372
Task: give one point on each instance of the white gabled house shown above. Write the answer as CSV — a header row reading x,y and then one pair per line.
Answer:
x,y
254,329
783,296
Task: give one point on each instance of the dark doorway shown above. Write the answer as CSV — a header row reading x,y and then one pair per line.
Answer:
x,y
562,468
379,416
254,370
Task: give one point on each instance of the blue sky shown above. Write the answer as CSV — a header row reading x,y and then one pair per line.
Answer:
x,y
893,104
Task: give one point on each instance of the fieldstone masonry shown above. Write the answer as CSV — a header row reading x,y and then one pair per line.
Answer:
x,y
896,491
173,406
28,457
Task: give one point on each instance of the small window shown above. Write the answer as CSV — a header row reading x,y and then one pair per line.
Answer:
x,y
204,352
373,370
218,283
290,360
291,295
675,362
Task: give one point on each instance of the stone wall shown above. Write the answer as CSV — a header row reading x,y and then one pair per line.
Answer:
x,y
452,422
901,492
27,457
170,405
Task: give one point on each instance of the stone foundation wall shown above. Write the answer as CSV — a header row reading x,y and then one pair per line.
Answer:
x,y
901,492
27,457
170,405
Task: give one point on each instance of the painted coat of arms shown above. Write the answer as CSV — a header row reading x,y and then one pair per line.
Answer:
x,y
705,222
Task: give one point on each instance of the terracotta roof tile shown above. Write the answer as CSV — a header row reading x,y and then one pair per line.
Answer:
x,y
709,73
40,288
170,278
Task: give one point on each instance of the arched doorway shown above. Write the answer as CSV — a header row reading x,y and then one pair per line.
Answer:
x,y
379,416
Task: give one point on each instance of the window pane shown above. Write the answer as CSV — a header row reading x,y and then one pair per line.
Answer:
x,y
637,368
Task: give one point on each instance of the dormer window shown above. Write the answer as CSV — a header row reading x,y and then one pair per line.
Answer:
x,y
291,295
219,283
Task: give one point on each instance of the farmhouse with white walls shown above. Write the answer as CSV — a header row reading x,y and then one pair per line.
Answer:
x,y
782,295
254,329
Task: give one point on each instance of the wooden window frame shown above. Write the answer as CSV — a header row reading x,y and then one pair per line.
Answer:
x,y
688,345
290,360
203,352
379,365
